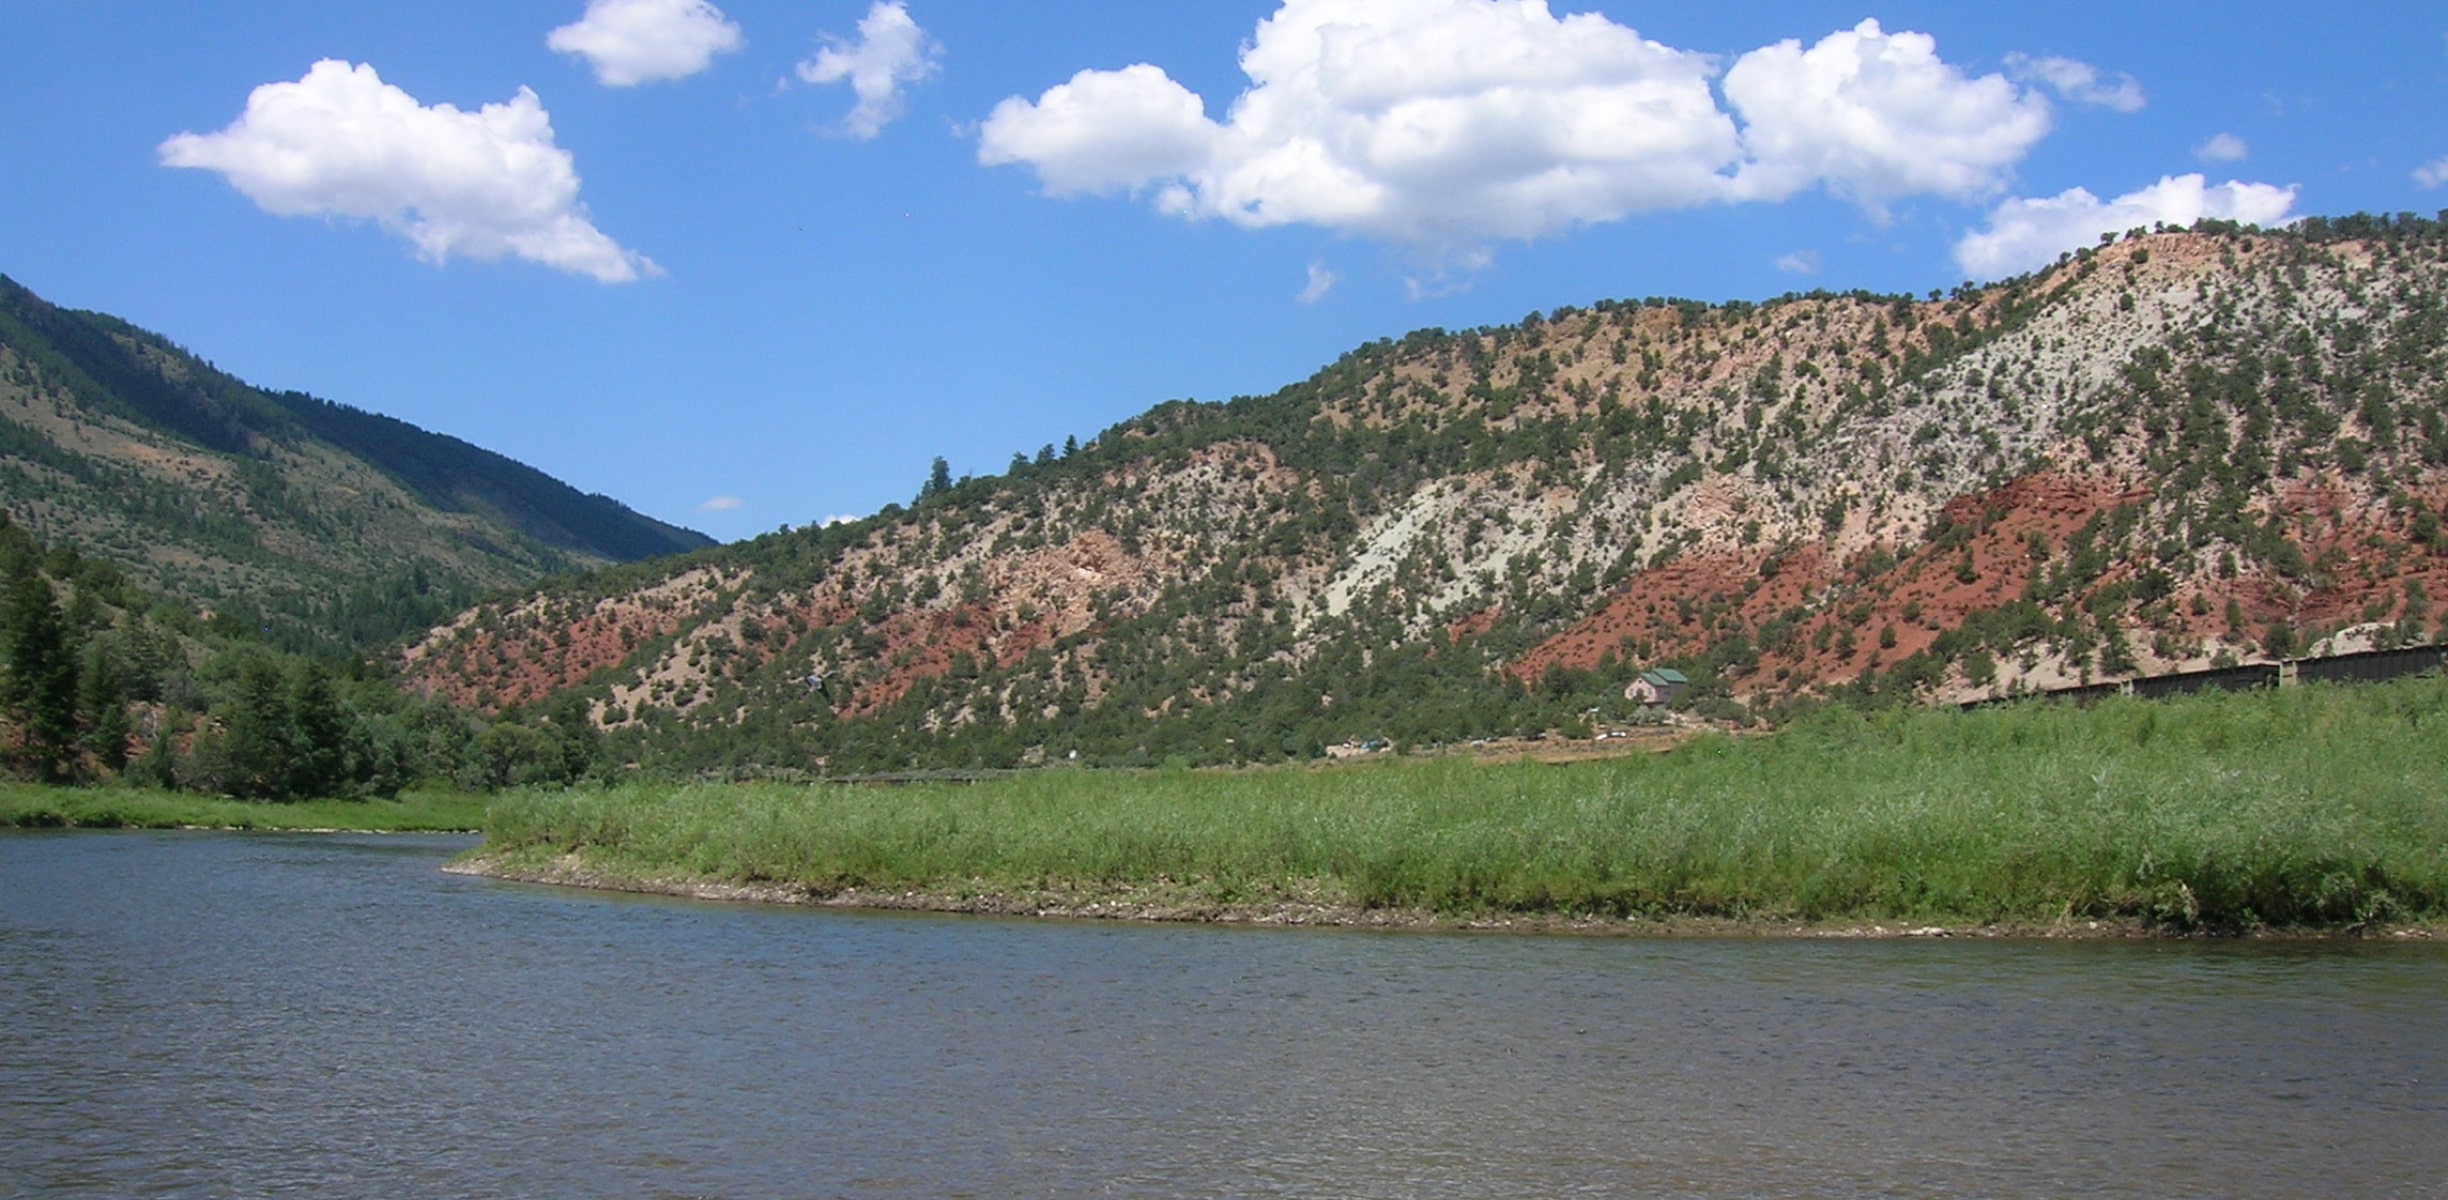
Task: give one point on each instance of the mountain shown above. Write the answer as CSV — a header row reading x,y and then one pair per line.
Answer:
x,y
325,525
2176,450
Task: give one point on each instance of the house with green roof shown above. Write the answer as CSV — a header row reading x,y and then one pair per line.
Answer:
x,y
1657,688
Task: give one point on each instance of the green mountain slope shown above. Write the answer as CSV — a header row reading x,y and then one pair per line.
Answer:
x,y
325,525
2179,451
101,681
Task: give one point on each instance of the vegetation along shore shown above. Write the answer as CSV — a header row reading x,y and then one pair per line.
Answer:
x,y
2315,809
33,807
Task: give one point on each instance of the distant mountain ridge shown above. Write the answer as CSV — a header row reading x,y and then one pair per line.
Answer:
x,y
2175,451
326,524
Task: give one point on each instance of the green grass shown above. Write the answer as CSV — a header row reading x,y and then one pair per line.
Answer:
x,y
2312,806
128,808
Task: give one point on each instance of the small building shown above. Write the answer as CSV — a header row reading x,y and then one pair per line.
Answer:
x,y
1657,688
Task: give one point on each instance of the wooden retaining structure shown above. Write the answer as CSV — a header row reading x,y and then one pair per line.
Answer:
x,y
2371,666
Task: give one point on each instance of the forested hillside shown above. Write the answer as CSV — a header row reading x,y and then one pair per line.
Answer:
x,y
101,680
2175,450
323,526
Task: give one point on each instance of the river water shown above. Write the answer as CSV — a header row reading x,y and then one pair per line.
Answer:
x,y
330,1016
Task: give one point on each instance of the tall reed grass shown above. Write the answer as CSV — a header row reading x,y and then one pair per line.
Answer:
x,y
2312,806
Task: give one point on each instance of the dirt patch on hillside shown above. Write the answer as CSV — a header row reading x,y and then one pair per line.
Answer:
x,y
1659,614
1817,622
492,657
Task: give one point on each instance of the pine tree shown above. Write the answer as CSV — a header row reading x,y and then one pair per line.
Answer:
x,y
252,755
39,690
102,703
939,480
319,730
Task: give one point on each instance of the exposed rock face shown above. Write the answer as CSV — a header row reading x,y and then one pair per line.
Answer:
x,y
2179,449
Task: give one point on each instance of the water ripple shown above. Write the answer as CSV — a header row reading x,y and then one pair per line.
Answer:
x,y
215,1015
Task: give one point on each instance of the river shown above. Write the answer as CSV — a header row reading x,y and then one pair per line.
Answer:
x,y
217,1015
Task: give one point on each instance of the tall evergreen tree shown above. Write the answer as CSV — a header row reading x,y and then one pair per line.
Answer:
x,y
252,754
319,730
39,690
102,703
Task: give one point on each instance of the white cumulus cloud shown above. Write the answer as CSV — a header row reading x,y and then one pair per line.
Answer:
x,y
2432,175
2024,235
1104,131
1439,123
1446,124
484,185
630,42
2080,82
890,53
2226,147
1875,117
1800,262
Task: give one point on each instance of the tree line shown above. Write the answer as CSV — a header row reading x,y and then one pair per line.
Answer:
x,y
103,683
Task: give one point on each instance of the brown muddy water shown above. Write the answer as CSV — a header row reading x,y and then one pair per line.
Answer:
x,y
218,1015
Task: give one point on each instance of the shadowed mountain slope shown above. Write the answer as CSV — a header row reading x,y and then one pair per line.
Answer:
x,y
330,526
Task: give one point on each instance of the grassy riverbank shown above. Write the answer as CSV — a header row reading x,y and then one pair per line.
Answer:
x,y
2309,807
29,807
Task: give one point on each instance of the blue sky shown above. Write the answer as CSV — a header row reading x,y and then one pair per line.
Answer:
x,y
755,263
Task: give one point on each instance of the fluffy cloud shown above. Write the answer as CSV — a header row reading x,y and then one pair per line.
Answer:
x,y
2226,147
2080,82
1800,262
2024,235
722,504
1435,122
2432,175
892,51
482,185
1876,117
630,42
1444,124
1102,132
